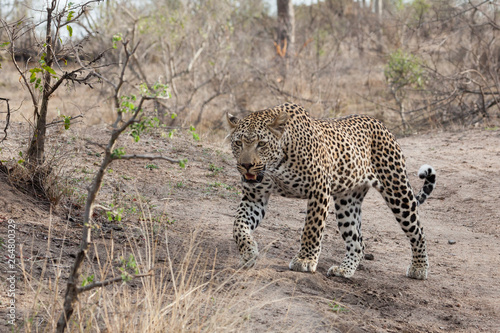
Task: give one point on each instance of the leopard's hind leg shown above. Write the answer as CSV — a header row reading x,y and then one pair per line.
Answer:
x,y
404,206
348,212
398,194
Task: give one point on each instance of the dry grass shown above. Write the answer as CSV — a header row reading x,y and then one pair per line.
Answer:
x,y
49,181
185,294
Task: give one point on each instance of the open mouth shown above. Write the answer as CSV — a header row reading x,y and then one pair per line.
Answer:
x,y
251,178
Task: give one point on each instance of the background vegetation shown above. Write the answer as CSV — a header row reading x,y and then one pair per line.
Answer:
x,y
416,65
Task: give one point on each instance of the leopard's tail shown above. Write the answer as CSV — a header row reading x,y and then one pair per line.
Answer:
x,y
427,173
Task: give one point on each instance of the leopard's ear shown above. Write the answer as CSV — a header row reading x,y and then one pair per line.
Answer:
x,y
278,125
232,121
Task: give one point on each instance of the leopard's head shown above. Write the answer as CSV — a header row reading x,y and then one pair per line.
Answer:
x,y
256,142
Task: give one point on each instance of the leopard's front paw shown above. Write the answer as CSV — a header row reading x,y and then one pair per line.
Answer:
x,y
303,265
340,271
248,255
417,272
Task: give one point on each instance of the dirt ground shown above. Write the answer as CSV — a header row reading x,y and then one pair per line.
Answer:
x,y
461,220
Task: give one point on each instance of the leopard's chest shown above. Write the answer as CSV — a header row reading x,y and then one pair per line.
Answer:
x,y
292,181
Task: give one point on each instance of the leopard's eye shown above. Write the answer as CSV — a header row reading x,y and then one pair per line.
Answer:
x,y
237,143
261,144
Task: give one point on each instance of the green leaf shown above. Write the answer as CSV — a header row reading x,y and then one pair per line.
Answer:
x,y
33,72
49,69
118,153
4,44
182,163
143,88
67,122
196,137
116,39
88,280
70,30
70,15
110,216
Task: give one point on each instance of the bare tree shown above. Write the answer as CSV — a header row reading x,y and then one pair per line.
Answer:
x,y
44,75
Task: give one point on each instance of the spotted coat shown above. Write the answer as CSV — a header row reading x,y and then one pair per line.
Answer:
x,y
284,151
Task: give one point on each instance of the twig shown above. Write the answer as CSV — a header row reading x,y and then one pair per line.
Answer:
x,y
7,118
206,102
100,145
12,39
480,92
196,55
103,208
72,76
110,281
62,121
146,157
121,80
82,10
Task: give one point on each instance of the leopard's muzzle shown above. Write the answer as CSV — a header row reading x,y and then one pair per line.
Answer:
x,y
251,174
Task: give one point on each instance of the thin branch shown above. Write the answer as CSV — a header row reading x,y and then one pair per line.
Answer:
x,y
12,39
110,281
93,68
480,92
7,118
146,157
107,209
196,55
82,10
206,102
121,80
287,94
95,143
62,121
72,288
72,76
117,132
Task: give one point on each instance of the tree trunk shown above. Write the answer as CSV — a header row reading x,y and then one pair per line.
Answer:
x,y
402,112
36,150
286,27
379,4
379,11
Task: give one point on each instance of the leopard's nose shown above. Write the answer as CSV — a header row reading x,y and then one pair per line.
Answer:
x,y
247,166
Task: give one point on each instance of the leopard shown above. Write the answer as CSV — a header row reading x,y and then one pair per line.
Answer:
x,y
328,162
